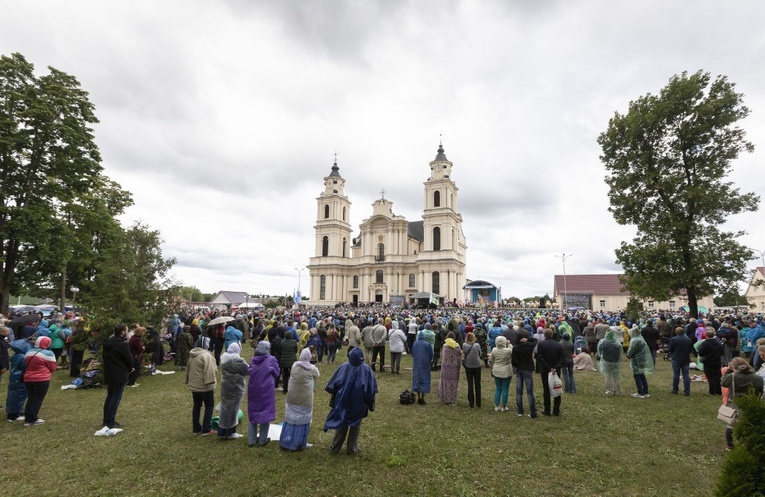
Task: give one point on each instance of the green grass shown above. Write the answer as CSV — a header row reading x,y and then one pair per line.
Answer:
x,y
665,445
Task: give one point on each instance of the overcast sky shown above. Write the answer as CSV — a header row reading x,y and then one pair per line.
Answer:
x,y
222,117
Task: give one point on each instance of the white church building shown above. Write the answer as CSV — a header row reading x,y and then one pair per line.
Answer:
x,y
392,259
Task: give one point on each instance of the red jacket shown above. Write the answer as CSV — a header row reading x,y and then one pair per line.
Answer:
x,y
40,365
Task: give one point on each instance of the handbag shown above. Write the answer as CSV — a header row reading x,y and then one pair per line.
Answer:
x,y
727,414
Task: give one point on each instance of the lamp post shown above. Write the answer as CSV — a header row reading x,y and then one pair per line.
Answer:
x,y
762,255
563,258
74,291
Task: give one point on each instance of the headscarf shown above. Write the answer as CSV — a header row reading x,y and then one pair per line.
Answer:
x,y
305,360
263,348
42,342
450,342
232,353
203,342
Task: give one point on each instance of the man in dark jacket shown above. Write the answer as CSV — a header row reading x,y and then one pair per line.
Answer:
x,y
651,337
118,364
711,351
522,360
680,352
550,360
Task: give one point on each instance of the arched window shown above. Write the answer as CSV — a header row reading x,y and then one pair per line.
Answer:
x,y
325,246
378,276
436,282
355,281
326,212
343,213
345,243
411,280
380,252
322,287
436,238
436,199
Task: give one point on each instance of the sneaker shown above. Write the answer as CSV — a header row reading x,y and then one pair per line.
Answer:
x,y
609,392
496,408
38,422
234,436
504,409
532,416
637,395
646,396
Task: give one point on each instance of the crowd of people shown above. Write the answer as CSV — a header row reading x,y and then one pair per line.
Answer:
x,y
523,343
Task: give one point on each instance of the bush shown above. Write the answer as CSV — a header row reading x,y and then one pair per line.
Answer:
x,y
742,469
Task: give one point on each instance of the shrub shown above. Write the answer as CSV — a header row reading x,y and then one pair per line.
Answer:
x,y
742,469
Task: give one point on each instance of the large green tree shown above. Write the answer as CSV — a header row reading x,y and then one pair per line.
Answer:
x,y
667,161
131,282
55,203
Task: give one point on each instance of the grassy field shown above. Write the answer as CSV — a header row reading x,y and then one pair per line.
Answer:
x,y
666,445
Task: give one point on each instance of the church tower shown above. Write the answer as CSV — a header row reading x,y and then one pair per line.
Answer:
x,y
442,230
333,229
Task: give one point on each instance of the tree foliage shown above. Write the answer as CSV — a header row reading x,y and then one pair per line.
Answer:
x,y
131,282
741,474
667,161
55,203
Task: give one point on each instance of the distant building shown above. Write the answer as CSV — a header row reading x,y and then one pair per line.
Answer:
x,y
392,259
603,292
755,293
230,299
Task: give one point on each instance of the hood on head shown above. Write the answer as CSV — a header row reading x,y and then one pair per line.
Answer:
x,y
20,346
501,342
356,357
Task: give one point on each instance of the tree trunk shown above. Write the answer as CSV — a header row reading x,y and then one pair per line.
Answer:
x,y
12,248
693,302
62,300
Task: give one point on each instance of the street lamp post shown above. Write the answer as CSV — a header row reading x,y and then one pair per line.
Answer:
x,y
563,258
74,291
762,256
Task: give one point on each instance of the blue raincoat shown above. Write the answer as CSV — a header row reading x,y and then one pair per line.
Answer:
x,y
353,387
422,356
230,336
17,391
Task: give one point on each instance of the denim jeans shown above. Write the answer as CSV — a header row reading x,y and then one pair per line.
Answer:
x,y
257,433
526,377
208,399
474,385
642,384
395,362
112,402
568,378
501,387
677,367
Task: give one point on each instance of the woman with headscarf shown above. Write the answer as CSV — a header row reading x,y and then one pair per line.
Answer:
x,y
299,403
333,341
568,363
17,391
610,354
422,355
261,401
451,356
288,348
641,361
353,388
135,344
740,378
39,365
233,371
502,371
313,344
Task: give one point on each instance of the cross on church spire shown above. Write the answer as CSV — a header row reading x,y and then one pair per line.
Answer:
x,y
382,193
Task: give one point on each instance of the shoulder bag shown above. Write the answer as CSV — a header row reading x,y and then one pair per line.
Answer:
x,y
727,414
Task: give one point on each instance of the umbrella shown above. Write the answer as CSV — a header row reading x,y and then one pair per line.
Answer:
x,y
220,320
22,321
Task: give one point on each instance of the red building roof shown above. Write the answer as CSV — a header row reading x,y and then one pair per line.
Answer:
x,y
596,284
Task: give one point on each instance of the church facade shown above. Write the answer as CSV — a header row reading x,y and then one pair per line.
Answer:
x,y
391,259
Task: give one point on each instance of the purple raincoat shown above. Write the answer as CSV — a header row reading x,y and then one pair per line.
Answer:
x,y
261,401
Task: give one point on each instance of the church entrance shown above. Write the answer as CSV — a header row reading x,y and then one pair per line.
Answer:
x,y
355,301
378,297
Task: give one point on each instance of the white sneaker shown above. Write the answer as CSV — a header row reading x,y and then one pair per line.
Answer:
x,y
234,436
638,396
646,396
609,392
496,408
504,409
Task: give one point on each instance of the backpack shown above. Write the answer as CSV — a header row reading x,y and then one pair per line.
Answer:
x,y
406,397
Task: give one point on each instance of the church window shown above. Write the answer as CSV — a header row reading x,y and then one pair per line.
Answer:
x,y
380,252
355,281
436,238
343,213
378,276
411,280
322,287
326,212
345,244
436,199
325,246
436,287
